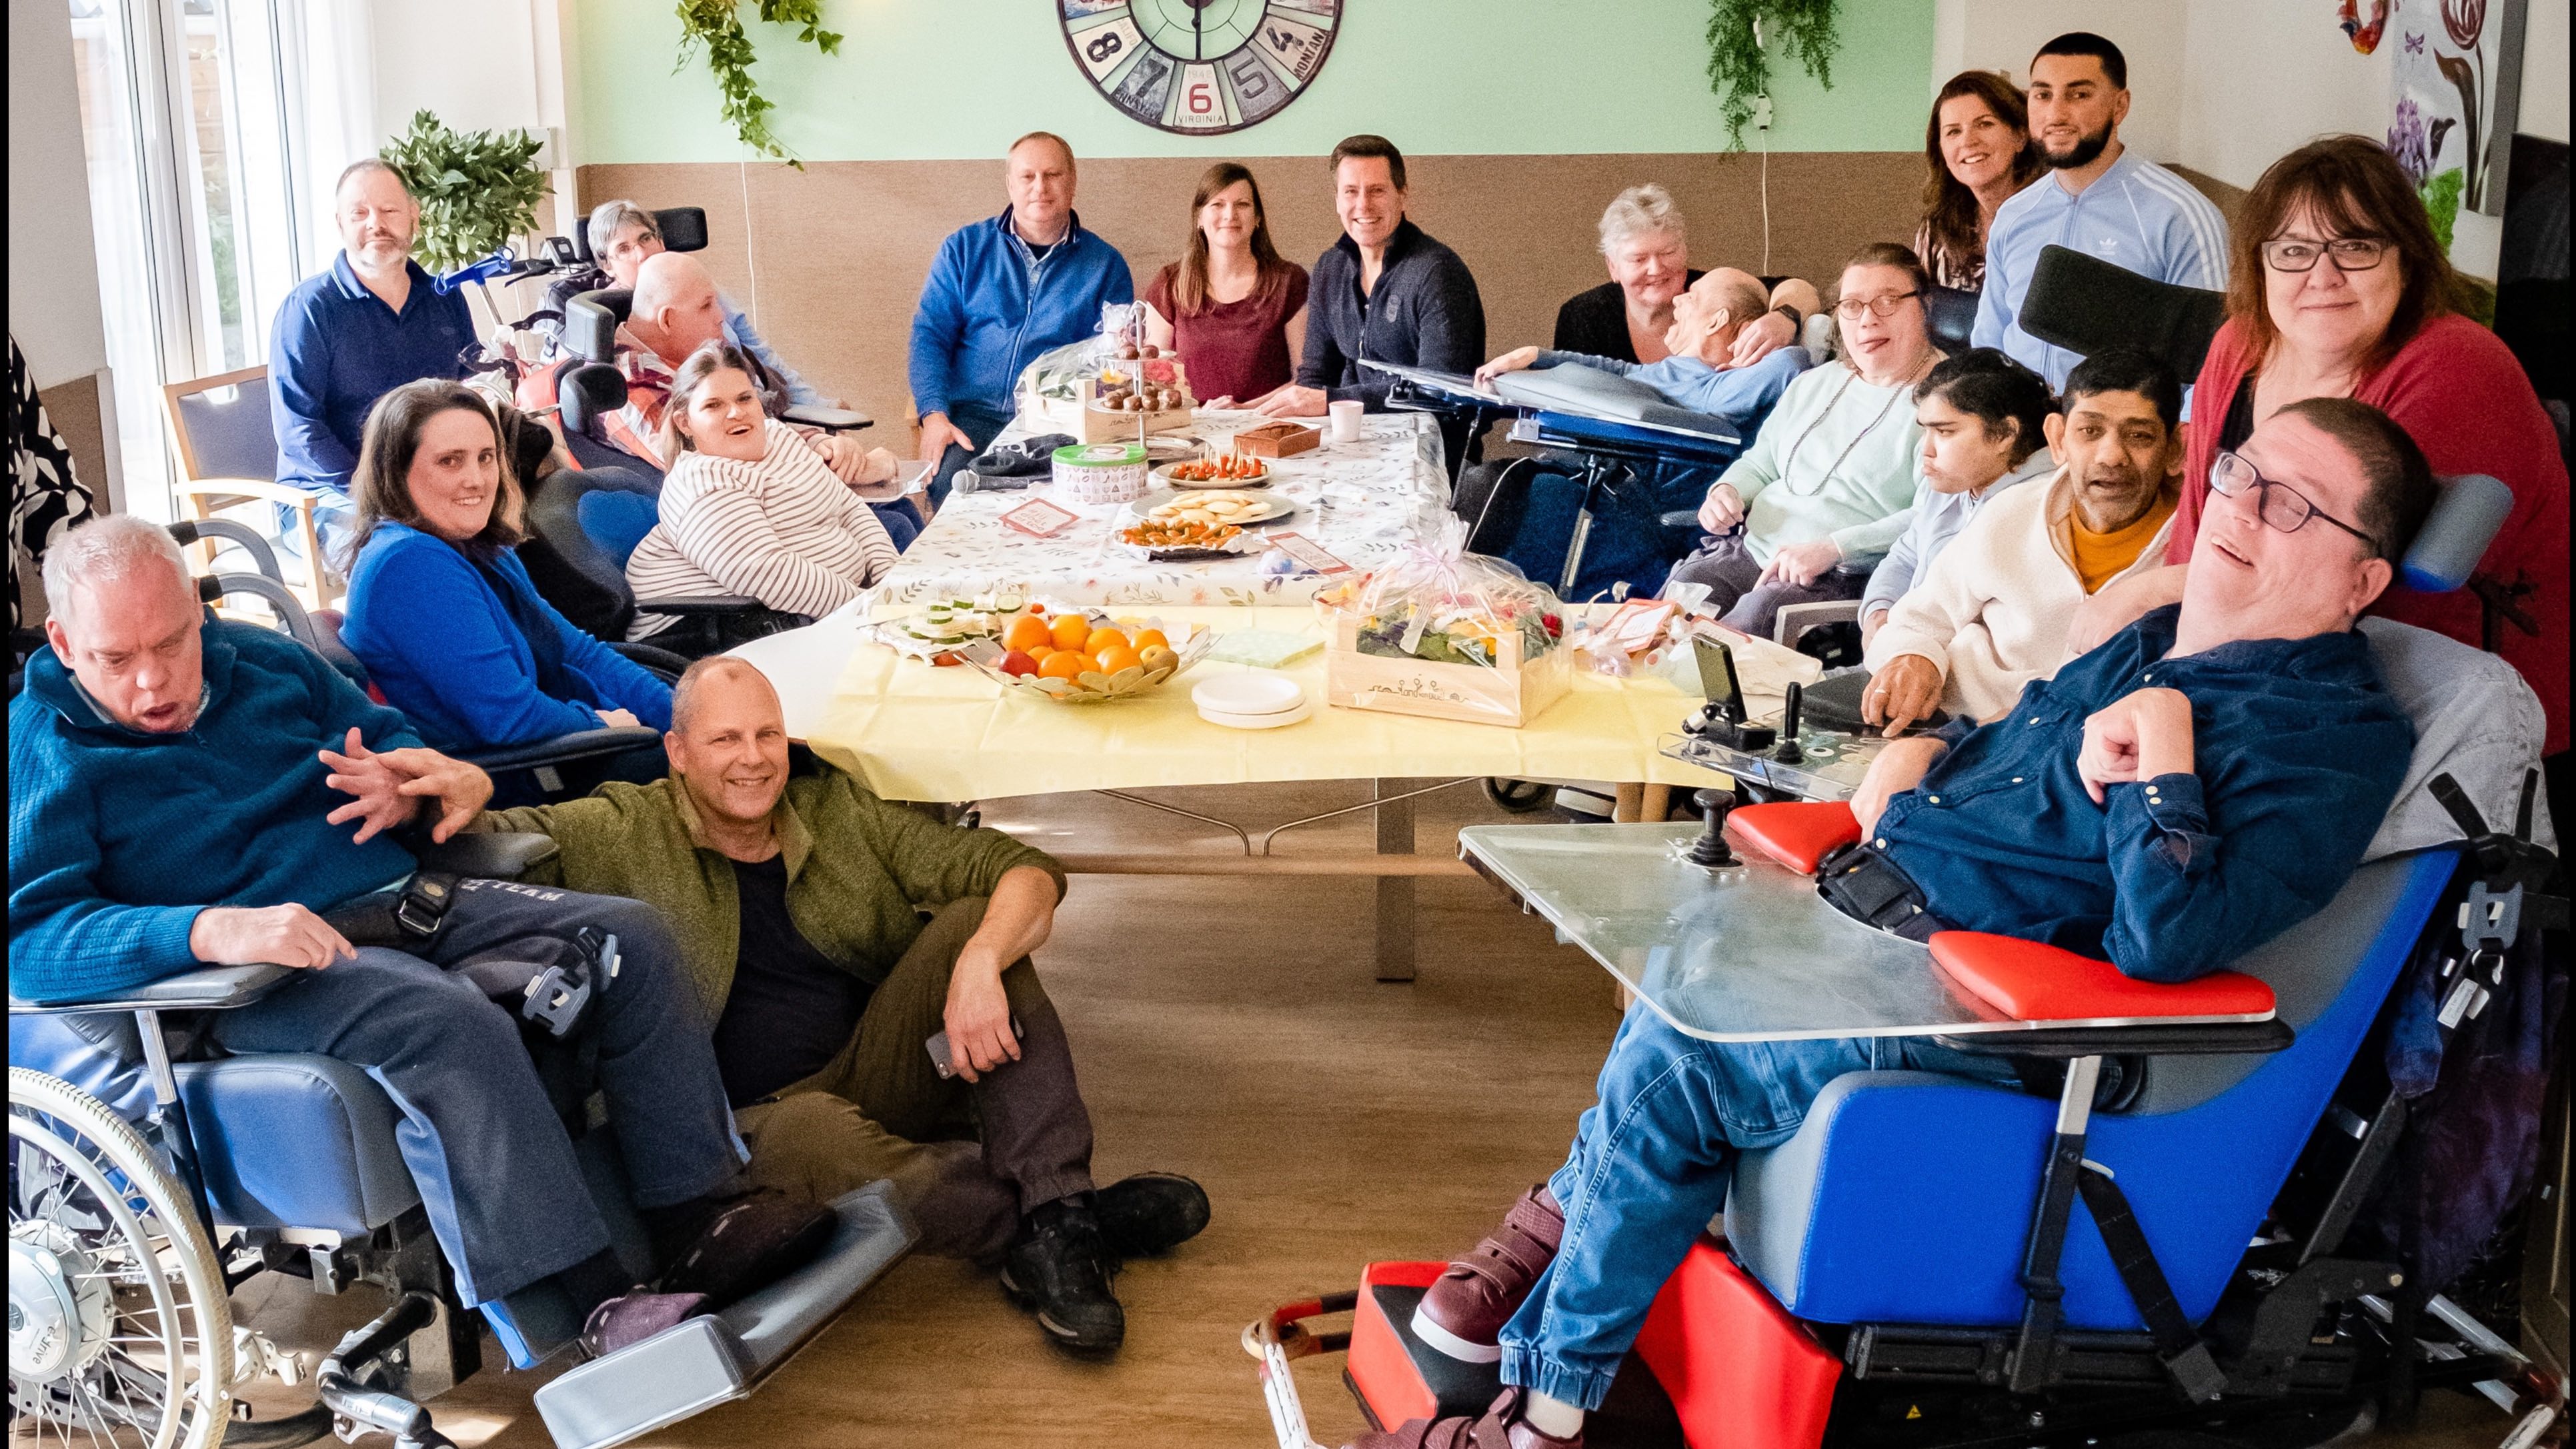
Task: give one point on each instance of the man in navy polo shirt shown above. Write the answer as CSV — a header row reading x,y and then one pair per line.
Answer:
x,y
352,334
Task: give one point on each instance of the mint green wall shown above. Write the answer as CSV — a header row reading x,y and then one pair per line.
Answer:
x,y
955,79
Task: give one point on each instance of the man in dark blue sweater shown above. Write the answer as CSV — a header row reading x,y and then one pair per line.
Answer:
x,y
2202,782
180,795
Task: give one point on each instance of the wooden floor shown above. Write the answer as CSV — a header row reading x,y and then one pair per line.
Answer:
x,y
1228,1029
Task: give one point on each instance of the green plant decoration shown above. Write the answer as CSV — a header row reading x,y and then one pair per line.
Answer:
x,y
477,190
2442,203
717,25
1739,60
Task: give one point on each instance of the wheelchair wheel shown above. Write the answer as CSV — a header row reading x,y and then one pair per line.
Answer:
x,y
119,1329
1518,796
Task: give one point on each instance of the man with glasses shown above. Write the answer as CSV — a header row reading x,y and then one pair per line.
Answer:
x,y
1989,615
2098,198
2198,785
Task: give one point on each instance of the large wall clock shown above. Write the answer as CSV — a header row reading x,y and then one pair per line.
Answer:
x,y
1200,67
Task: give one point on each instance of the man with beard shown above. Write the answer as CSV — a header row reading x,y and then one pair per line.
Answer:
x,y
2098,199
1990,615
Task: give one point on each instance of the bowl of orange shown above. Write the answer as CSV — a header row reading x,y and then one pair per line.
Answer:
x,y
1087,658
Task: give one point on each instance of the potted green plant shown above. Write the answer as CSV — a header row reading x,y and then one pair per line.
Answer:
x,y
477,190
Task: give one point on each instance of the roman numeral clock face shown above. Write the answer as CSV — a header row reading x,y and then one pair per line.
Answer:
x,y
1200,67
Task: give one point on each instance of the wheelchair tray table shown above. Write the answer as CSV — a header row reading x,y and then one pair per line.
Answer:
x,y
1747,952
1832,767
1448,384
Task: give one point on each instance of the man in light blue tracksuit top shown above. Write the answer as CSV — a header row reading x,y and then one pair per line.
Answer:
x,y
1003,291
2098,198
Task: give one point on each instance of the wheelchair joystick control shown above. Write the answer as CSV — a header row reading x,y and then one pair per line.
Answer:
x,y
1710,849
1788,753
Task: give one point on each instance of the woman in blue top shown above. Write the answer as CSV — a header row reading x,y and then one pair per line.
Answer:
x,y
440,609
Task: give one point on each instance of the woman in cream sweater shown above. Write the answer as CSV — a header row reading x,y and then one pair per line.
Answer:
x,y
1834,470
747,509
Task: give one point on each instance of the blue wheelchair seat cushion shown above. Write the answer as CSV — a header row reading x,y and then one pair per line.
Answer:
x,y
296,1140
617,520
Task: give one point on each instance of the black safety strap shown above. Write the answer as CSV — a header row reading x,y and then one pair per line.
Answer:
x,y
402,917
1870,888
2181,1350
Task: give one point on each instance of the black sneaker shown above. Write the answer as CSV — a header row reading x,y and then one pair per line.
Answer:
x,y
1150,1214
1060,1270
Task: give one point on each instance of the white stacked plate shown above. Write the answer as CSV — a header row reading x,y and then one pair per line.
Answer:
x,y
1252,701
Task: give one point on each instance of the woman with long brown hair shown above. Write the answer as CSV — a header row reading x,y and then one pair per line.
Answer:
x,y
1977,151
1232,308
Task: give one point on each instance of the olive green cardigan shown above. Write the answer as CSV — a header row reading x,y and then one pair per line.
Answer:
x,y
858,869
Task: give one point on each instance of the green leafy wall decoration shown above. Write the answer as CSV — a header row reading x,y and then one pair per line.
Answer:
x,y
716,25
1739,59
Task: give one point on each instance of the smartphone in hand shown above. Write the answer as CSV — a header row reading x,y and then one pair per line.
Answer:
x,y
944,1061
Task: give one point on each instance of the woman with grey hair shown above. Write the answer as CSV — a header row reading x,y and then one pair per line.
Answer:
x,y
1646,246
622,234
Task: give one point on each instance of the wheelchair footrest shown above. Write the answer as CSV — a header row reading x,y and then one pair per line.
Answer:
x,y
1394,1374
708,1360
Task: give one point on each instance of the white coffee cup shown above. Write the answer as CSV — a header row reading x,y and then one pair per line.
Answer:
x,y
1346,421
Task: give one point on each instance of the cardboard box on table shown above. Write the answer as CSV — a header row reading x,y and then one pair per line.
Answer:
x,y
1513,692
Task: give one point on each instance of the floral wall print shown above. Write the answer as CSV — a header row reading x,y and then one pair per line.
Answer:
x,y
2458,68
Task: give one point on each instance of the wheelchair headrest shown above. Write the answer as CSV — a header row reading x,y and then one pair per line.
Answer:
x,y
684,229
2084,305
588,392
2455,535
1951,315
2475,720
591,320
559,510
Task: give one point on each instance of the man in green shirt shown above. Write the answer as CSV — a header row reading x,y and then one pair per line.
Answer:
x,y
858,1040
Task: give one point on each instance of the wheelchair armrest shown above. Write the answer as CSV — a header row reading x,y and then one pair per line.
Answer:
x,y
2222,1012
1790,622
493,855
660,661
1796,833
712,604
579,745
208,988
1680,518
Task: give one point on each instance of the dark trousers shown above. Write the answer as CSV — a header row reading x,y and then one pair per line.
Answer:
x,y
1730,571
505,1198
977,421
881,1109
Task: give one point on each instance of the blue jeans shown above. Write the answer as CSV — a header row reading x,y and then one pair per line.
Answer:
x,y
506,1200
977,421
1651,1164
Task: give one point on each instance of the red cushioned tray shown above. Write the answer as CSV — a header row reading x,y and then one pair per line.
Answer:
x,y
1796,833
2028,981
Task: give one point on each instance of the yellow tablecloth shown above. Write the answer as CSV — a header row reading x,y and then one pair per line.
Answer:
x,y
915,732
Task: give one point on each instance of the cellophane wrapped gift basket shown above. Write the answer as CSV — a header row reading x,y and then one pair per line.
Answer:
x,y
1448,634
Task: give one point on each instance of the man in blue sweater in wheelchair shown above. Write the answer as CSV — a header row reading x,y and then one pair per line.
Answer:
x,y
2202,782
186,793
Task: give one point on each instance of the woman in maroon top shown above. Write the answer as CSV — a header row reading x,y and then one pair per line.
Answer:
x,y
1231,307
2338,289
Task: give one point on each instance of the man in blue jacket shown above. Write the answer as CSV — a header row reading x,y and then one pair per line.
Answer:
x,y
348,336
2202,782
181,795
1003,291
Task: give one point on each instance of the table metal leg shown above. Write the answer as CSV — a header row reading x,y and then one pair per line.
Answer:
x,y
1395,914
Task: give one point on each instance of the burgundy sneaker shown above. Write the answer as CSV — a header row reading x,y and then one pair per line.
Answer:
x,y
1499,1427
1464,1313
631,1318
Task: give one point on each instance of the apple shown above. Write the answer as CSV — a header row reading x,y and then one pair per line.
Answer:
x,y
1018,662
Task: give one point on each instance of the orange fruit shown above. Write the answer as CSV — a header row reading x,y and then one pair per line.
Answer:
x,y
1149,639
1039,652
1104,638
1025,632
1063,664
1071,631
1117,657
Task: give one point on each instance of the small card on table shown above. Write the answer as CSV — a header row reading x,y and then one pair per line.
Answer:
x,y
1310,555
1039,518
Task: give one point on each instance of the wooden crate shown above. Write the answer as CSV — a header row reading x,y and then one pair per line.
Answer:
x,y
1514,692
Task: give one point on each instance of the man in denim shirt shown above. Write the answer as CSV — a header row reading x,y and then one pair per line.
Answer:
x,y
2206,779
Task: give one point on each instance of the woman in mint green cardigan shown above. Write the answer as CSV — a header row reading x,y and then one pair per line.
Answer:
x,y
1832,475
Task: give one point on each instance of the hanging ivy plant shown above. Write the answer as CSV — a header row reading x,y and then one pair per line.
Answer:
x,y
716,25
477,190
1739,58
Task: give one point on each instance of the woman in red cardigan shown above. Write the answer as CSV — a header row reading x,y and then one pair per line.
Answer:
x,y
2337,289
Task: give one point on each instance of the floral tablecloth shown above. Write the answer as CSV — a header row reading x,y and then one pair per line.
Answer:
x,y
1361,502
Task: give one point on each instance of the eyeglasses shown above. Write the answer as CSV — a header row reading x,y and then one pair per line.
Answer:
x,y
2279,505
2350,253
1850,308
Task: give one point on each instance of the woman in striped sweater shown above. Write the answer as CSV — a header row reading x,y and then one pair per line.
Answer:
x,y
748,509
